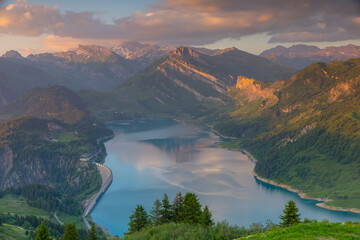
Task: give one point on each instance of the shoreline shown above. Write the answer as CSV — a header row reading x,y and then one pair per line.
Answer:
x,y
219,134
301,194
106,180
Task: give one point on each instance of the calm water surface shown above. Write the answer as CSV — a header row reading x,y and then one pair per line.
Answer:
x,y
150,158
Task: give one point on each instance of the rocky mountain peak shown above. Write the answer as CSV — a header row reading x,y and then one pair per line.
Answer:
x,y
12,54
185,51
226,50
93,50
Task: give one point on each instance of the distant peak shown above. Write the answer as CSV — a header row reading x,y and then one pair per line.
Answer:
x,y
93,50
134,46
185,51
226,50
12,54
90,47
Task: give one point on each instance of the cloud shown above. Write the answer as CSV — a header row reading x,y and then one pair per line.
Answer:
x,y
56,43
194,21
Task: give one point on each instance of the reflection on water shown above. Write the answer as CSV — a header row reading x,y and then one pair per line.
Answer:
x,y
150,158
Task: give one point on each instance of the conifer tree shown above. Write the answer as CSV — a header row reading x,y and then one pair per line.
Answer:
x,y
178,208
138,220
70,232
192,209
155,213
93,233
291,215
42,232
0,221
206,217
166,212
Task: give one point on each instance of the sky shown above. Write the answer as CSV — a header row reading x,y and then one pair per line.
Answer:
x,y
34,26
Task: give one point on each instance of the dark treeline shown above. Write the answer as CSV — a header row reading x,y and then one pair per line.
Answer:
x,y
185,219
45,198
184,209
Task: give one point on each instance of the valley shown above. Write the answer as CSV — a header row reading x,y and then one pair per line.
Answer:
x,y
301,126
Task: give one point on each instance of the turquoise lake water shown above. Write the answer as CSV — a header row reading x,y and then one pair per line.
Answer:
x,y
150,158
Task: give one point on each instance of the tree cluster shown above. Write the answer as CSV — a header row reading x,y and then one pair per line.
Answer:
x,y
184,209
70,233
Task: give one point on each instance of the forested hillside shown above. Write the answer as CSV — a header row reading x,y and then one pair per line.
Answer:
x,y
304,131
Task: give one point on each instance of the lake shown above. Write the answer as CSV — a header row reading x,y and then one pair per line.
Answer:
x,y
150,158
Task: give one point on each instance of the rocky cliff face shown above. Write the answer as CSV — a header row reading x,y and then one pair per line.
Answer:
x,y
143,54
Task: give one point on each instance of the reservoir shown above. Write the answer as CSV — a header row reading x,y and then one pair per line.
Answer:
x,y
150,158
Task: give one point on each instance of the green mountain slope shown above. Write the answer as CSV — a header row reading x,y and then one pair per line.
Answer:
x,y
18,76
41,151
304,131
11,232
52,102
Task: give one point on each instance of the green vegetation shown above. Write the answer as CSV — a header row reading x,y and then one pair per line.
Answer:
x,y
66,137
70,232
291,215
290,228
219,231
186,210
309,137
10,232
307,231
52,102
30,223
31,144
15,204
42,232
138,220
93,233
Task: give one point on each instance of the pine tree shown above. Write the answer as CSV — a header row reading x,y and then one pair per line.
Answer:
x,y
206,217
192,209
291,215
178,208
93,233
42,232
138,220
166,212
70,232
0,221
155,213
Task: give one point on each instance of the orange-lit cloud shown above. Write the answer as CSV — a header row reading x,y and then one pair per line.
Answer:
x,y
56,43
190,22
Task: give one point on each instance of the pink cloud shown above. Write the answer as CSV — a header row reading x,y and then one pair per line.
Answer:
x,y
194,21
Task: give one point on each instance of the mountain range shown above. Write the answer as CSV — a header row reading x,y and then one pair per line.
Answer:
x,y
302,126
301,56
181,81
101,68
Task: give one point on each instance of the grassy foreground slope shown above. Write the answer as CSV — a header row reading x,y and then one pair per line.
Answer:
x,y
302,231
10,232
309,231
